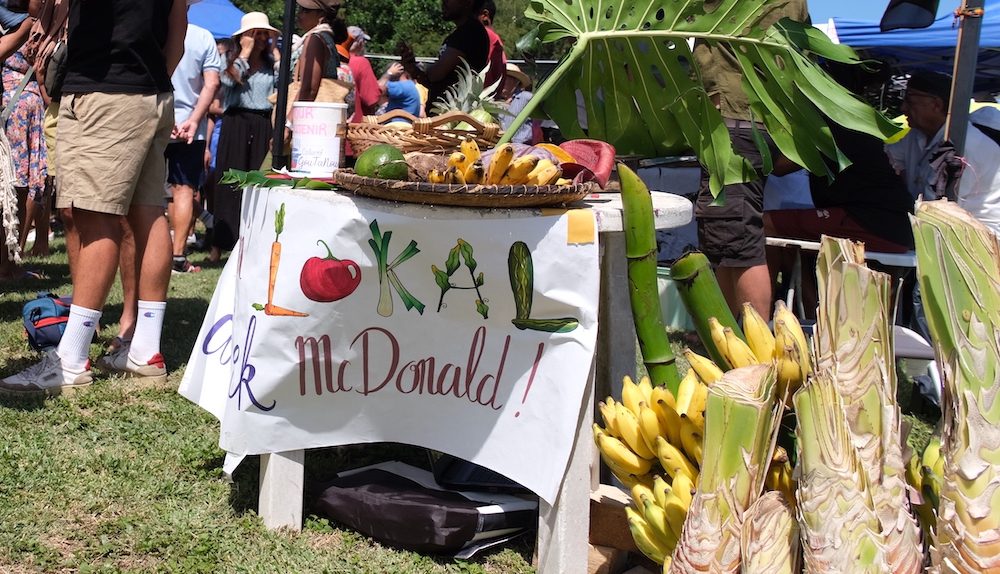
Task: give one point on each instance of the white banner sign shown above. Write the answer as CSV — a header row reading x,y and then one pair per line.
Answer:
x,y
341,320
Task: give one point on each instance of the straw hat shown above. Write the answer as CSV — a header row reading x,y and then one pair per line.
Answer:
x,y
516,73
255,21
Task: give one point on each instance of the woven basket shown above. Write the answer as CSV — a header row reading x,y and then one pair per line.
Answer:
x,y
464,195
422,134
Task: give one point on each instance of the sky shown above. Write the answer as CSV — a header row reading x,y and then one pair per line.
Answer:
x,y
866,10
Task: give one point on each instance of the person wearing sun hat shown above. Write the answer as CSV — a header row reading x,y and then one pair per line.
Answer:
x,y
516,91
366,88
318,56
246,132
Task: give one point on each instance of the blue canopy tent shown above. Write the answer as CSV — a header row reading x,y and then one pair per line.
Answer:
x,y
219,17
931,48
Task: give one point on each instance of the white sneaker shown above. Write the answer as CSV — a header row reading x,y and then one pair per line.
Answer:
x,y
120,361
46,377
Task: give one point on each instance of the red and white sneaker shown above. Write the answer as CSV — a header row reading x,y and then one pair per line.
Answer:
x,y
47,377
121,361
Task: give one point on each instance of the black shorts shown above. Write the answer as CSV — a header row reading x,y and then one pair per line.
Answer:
x,y
732,234
186,163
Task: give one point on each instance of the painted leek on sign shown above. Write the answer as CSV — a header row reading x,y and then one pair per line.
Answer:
x,y
741,423
633,67
640,249
958,266
853,340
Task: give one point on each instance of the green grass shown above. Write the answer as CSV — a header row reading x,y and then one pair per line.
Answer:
x,y
123,477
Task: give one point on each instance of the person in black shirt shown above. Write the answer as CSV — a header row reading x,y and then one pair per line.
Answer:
x,y
469,40
115,119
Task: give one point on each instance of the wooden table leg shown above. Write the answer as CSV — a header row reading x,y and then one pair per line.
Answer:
x,y
564,527
281,481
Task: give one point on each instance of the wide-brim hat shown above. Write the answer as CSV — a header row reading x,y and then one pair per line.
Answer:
x,y
327,5
255,21
516,73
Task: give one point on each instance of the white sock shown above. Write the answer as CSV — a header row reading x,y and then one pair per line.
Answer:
x,y
74,347
149,324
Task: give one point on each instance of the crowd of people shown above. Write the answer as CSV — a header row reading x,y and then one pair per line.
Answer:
x,y
74,79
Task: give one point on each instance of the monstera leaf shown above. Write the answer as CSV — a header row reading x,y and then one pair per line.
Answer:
x,y
633,67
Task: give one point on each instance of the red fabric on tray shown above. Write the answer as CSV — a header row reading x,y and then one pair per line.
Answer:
x,y
595,155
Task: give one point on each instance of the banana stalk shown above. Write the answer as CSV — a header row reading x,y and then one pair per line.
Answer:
x,y
741,424
958,266
840,528
853,340
640,248
770,537
702,297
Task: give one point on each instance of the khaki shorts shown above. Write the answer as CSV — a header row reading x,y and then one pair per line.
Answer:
x,y
111,150
49,128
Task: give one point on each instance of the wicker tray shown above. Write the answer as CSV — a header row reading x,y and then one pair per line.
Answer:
x,y
422,134
464,195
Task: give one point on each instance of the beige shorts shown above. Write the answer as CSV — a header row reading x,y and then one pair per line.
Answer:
x,y
49,127
111,150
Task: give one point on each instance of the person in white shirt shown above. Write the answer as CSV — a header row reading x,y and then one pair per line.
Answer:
x,y
926,107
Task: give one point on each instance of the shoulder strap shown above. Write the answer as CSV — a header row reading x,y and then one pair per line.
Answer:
x,y
9,108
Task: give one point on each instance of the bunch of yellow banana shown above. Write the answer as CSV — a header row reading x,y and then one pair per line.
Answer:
x,y
657,515
649,438
779,475
924,474
525,170
787,346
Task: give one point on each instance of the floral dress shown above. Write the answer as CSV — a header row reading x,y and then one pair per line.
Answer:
x,y
25,128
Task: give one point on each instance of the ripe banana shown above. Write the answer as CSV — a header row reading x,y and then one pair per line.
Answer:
x,y
657,519
646,388
632,395
670,421
475,173
759,335
691,440
738,353
718,334
676,513
458,175
706,368
683,488
628,425
518,170
660,489
546,175
644,537
685,391
620,457
502,157
694,407
673,460
435,176
781,312
607,409
650,425
471,150
640,492
459,161
792,359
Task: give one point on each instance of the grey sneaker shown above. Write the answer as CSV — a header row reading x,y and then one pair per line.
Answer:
x,y
47,377
119,361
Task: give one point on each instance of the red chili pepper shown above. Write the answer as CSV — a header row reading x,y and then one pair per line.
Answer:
x,y
329,279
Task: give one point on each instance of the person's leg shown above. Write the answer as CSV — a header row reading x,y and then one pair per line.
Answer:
x,y
43,211
746,284
26,215
128,270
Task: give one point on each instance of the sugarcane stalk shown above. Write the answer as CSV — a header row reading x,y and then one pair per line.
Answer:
x,y
853,339
958,268
702,297
741,423
640,249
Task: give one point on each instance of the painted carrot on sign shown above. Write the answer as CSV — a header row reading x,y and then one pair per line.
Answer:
x,y
270,308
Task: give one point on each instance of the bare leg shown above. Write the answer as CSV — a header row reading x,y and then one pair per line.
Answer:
x,y
181,210
72,239
42,214
152,249
751,284
98,236
27,218
128,269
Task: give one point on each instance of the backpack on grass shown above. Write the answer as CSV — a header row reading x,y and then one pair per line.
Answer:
x,y
45,320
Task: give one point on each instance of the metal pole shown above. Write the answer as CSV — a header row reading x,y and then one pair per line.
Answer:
x,y
964,74
278,157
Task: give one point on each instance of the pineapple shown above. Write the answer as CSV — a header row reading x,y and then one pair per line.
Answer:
x,y
471,95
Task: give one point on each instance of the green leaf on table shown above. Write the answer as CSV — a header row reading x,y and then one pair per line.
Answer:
x,y
636,74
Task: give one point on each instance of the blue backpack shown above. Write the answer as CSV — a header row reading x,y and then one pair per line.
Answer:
x,y
45,320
